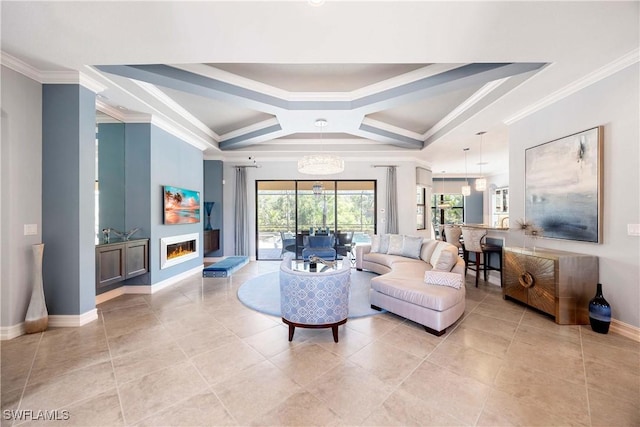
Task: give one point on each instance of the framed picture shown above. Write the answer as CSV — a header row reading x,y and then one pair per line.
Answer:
x,y
181,206
563,186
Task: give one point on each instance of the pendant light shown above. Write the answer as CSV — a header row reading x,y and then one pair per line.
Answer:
x,y
481,183
466,188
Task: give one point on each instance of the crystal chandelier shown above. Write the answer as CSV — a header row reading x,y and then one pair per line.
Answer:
x,y
321,163
481,183
466,188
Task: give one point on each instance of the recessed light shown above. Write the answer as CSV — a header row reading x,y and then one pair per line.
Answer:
x,y
316,2
120,107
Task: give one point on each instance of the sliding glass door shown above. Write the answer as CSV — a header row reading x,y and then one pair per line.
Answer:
x,y
287,211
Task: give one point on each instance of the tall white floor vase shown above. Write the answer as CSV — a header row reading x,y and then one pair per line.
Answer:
x,y
37,317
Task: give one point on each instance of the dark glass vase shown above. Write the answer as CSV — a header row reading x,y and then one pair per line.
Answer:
x,y
599,312
208,207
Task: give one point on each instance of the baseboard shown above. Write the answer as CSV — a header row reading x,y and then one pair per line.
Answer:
x,y
624,329
494,279
113,293
11,332
162,284
73,320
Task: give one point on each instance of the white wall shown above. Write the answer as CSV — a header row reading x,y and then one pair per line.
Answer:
x,y
21,183
283,170
614,104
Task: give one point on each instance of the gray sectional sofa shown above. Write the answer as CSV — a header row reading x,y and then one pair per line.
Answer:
x,y
402,287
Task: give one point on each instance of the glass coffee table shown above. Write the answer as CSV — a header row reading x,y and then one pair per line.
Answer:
x,y
308,267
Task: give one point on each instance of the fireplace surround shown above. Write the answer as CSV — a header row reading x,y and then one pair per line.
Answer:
x,y
178,249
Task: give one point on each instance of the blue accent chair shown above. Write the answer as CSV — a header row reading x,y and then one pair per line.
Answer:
x,y
314,300
321,246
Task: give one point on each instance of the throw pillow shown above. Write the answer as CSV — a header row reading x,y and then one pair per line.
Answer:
x,y
395,244
375,243
428,245
444,257
384,244
443,278
411,247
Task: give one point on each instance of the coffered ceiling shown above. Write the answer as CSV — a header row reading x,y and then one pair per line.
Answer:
x,y
395,80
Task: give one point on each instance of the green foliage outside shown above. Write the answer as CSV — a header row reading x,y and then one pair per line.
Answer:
x,y
277,211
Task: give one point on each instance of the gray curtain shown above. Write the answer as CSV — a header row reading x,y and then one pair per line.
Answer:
x,y
241,236
392,201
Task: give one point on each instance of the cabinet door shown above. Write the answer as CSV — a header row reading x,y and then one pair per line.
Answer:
x,y
531,279
137,260
514,279
542,295
109,265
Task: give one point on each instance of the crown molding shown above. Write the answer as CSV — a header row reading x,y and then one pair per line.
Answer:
x,y
20,67
177,108
182,134
464,106
391,128
51,77
588,80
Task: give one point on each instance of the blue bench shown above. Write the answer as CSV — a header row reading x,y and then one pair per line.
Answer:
x,y
225,267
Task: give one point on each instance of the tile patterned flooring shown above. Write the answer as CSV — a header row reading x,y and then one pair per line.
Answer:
x,y
193,355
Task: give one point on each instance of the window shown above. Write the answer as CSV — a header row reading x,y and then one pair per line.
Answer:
x,y
287,210
447,209
421,198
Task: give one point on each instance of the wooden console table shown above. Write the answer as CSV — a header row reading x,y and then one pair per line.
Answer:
x,y
558,283
211,241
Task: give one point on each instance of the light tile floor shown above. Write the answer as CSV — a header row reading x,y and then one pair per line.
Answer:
x,y
193,355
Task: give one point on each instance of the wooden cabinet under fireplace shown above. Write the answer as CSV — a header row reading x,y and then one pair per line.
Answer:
x,y
555,282
117,262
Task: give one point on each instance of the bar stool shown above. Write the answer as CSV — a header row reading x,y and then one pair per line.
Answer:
x,y
482,252
488,249
472,238
452,235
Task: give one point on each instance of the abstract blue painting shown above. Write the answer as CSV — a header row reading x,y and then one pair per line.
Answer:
x,y
563,186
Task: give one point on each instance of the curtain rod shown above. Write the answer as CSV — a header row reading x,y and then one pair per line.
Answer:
x,y
247,166
384,166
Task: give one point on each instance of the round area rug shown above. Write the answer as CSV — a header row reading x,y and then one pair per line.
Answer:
x,y
262,294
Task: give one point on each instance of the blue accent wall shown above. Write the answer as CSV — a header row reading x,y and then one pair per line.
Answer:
x,y
68,198
138,178
111,176
474,205
172,162
213,193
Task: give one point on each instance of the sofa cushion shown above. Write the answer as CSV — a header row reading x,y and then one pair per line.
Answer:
x,y
411,247
387,260
443,278
444,256
375,243
395,244
384,243
428,245
438,298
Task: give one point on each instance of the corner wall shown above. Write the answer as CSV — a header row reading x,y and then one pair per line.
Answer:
x,y
614,104
172,162
21,188
213,192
